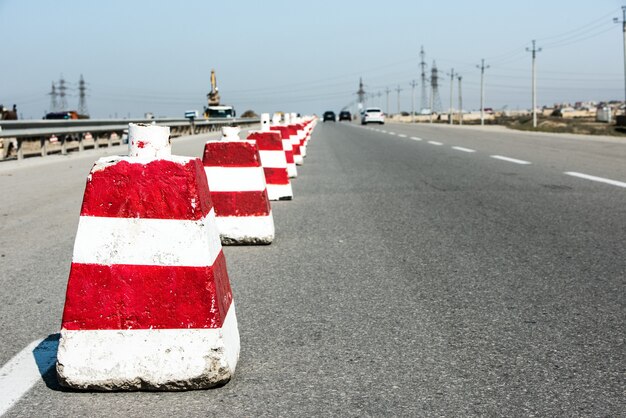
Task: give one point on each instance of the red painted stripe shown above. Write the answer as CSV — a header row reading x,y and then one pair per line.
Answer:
x,y
161,189
289,154
143,297
284,131
276,175
241,203
267,141
231,154
296,150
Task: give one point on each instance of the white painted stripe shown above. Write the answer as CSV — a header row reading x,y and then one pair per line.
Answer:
x,y
292,171
463,149
25,369
414,138
247,229
273,159
402,135
511,160
161,242
287,145
392,133
598,179
383,131
435,143
158,356
235,179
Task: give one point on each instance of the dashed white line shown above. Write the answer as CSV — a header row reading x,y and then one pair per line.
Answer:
x,y
434,143
383,131
464,149
392,133
511,160
598,179
402,135
24,370
414,138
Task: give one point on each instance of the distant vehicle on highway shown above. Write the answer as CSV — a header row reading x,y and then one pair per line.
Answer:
x,y
344,115
70,114
219,112
329,115
373,115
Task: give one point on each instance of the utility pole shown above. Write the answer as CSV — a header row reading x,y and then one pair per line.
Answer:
x,y
398,89
63,100
534,51
424,98
482,90
53,99
387,91
82,101
460,102
432,98
623,22
361,94
451,89
413,84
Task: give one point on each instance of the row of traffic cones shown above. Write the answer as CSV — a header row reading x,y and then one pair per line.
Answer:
x,y
149,304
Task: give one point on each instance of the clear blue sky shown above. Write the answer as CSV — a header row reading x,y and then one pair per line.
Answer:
x,y
156,56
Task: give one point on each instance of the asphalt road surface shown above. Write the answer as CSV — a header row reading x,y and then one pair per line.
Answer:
x,y
420,271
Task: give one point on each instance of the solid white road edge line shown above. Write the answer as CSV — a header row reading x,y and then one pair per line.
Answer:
x,y
511,160
20,373
463,149
598,179
435,143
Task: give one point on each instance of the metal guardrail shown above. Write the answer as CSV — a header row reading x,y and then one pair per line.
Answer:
x,y
65,135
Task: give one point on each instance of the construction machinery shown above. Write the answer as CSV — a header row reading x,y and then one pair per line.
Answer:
x,y
214,108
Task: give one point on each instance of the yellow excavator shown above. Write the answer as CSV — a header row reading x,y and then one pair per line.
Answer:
x,y
214,109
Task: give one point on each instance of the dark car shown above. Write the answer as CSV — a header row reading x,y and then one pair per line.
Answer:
x,y
329,115
344,115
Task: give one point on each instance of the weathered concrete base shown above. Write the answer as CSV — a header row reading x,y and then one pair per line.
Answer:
x,y
298,159
168,359
246,230
279,192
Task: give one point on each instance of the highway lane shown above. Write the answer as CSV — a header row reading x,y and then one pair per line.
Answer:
x,y
407,278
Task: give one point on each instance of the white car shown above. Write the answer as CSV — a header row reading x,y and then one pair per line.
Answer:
x,y
373,115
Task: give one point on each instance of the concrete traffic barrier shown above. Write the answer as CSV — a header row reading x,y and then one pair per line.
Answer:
x,y
148,304
297,124
287,146
273,160
295,140
238,189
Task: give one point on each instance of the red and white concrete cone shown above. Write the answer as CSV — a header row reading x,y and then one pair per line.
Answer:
x,y
238,189
295,140
149,304
296,123
287,146
273,160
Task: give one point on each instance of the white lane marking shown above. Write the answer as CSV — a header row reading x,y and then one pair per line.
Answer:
x,y
402,135
392,133
414,138
511,160
463,149
25,369
598,179
435,143
383,131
